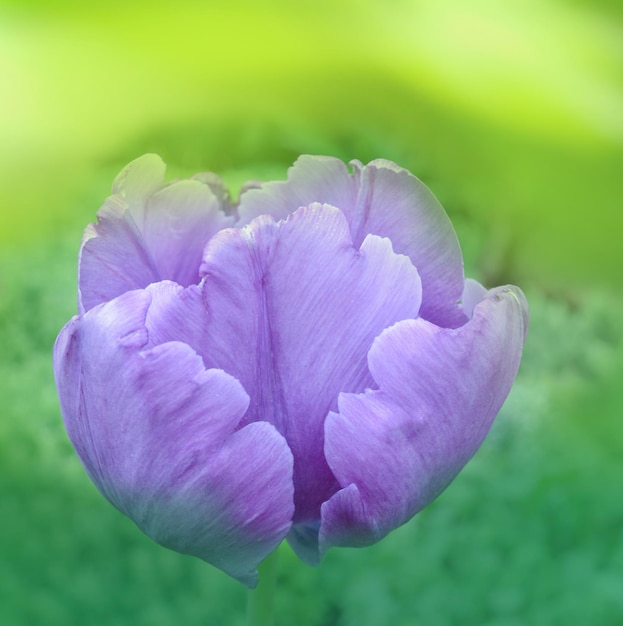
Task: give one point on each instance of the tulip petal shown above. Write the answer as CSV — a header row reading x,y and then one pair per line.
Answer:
x,y
303,539
160,436
382,199
394,449
473,293
393,203
176,314
321,179
147,232
292,311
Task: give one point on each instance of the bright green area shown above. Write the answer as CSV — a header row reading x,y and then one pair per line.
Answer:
x,y
509,111
512,110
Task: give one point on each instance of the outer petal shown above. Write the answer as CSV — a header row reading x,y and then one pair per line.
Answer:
x,y
395,449
292,311
157,433
147,232
382,199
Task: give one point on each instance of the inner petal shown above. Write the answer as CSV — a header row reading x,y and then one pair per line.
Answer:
x,y
384,199
292,309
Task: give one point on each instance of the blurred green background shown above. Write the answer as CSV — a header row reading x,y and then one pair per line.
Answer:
x,y
512,112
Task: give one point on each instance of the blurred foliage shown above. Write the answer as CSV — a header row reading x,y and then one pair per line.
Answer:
x,y
510,112
530,532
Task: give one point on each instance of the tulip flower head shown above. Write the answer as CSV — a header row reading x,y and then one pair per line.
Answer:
x,y
307,364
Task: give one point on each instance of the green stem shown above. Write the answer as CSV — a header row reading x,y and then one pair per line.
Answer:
x,y
260,604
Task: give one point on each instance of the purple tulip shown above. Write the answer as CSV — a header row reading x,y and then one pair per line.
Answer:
x,y
308,364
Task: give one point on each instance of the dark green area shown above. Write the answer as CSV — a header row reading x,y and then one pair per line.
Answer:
x,y
530,533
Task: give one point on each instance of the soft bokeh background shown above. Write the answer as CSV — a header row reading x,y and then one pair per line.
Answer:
x,y
512,112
